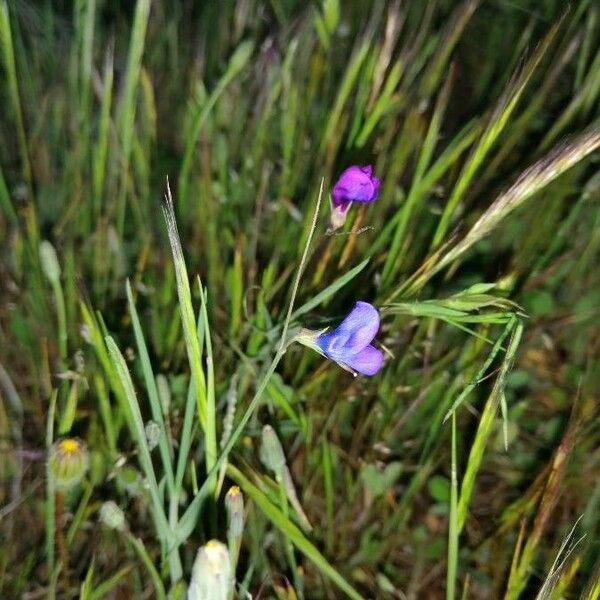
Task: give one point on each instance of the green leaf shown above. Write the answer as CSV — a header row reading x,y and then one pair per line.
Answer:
x,y
539,303
377,481
439,488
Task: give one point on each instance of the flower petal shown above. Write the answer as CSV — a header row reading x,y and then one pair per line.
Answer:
x,y
355,332
338,215
376,185
355,184
367,362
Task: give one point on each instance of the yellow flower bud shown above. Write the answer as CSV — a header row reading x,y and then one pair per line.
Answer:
x,y
68,462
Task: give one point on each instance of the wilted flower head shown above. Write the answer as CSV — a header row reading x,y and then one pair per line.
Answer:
x,y
112,516
49,261
355,184
234,503
68,462
212,578
349,344
271,452
152,431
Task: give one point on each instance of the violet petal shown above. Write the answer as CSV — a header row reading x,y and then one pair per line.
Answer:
x,y
355,184
367,362
355,332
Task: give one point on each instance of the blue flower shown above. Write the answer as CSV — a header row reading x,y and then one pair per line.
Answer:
x,y
349,344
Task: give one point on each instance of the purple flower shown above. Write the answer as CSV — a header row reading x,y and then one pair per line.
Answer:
x,y
355,184
349,344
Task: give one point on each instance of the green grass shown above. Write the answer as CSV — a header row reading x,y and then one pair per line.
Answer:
x,y
158,325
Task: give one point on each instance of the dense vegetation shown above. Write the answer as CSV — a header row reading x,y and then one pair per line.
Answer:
x,y
468,465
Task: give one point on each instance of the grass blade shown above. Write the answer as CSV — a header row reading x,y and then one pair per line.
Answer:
x,y
50,490
498,121
140,549
484,429
189,324
126,114
531,181
417,189
5,202
211,412
185,440
291,532
152,390
452,522
136,425
101,147
8,55
188,520
480,374
329,291
237,62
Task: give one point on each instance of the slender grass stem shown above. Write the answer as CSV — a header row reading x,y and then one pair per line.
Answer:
x,y
140,549
452,522
50,488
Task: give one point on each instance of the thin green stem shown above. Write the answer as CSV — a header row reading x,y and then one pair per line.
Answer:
x,y
211,411
62,322
50,488
452,522
311,232
140,549
188,520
